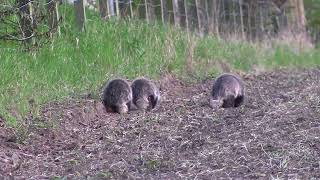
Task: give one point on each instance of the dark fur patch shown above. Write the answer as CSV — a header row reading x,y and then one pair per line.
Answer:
x,y
228,102
153,101
238,101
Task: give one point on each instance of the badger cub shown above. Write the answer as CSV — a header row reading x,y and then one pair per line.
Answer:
x,y
117,96
145,94
227,92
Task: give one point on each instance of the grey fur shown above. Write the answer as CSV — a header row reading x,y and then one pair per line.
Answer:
x,y
145,94
228,91
117,96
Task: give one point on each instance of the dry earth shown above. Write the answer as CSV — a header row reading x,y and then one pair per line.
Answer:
x,y
276,134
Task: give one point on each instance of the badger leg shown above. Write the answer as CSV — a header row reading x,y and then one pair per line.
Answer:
x,y
238,101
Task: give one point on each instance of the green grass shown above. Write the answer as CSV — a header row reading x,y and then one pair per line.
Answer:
x,y
125,48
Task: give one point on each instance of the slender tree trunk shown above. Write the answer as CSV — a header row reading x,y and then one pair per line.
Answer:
x,y
249,21
27,24
150,11
234,17
198,16
176,12
80,14
131,9
117,8
223,11
146,10
208,17
298,16
241,19
182,14
53,14
202,19
186,5
164,11
103,8
216,14
261,20
111,8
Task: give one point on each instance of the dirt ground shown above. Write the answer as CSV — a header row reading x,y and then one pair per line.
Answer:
x,y
275,134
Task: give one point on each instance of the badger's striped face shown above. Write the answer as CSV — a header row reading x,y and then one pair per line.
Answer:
x,y
130,95
154,98
215,103
153,101
235,90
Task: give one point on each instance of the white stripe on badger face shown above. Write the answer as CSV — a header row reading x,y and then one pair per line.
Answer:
x,y
146,98
130,96
215,103
157,93
235,91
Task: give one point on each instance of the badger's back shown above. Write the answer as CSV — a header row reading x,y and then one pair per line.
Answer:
x,y
227,84
229,89
116,92
141,87
144,89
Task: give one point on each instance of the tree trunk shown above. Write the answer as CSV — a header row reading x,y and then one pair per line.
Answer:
x,y
241,19
150,11
117,8
80,14
186,11
176,13
103,8
164,11
202,18
53,14
27,22
146,10
250,31
234,17
216,15
206,9
110,5
131,9
298,16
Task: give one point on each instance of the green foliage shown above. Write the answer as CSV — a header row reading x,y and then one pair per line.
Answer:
x,y
312,10
240,55
10,20
79,63
284,57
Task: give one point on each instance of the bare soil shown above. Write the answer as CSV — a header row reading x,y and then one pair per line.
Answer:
x,y
275,134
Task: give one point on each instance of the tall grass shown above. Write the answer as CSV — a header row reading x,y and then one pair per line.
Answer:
x,y
77,63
